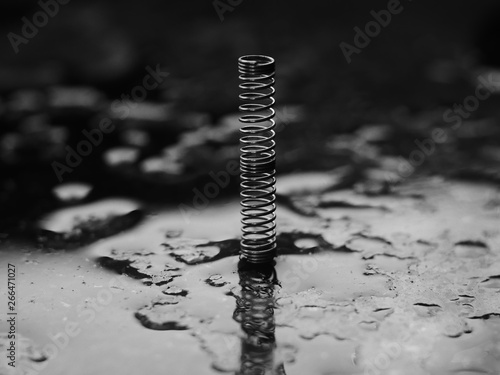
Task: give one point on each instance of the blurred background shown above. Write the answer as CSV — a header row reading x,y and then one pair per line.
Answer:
x,y
79,67
119,126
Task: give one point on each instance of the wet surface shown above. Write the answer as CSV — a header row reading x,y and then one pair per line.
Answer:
x,y
384,267
412,288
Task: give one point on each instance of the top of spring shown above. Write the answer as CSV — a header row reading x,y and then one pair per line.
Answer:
x,y
256,64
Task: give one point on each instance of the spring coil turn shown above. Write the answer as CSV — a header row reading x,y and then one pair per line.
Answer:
x,y
257,158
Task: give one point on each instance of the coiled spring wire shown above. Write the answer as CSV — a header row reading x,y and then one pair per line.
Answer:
x,y
257,158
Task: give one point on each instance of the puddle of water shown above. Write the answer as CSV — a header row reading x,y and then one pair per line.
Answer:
x,y
64,220
338,275
350,296
476,353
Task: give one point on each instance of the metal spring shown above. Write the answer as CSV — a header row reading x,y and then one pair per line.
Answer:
x,y
257,159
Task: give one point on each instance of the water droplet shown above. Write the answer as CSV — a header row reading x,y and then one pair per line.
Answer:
x,y
471,249
121,155
426,309
306,243
382,312
175,291
164,317
371,325
173,233
492,282
72,192
369,245
196,252
216,280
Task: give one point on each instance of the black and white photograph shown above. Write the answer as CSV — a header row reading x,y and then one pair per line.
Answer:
x,y
249,187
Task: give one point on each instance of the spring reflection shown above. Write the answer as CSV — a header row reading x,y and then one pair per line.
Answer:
x,y
255,312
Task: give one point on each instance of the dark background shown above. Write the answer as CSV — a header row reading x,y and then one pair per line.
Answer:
x,y
426,58
107,44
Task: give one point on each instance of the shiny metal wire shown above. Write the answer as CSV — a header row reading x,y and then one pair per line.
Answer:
x,y
257,158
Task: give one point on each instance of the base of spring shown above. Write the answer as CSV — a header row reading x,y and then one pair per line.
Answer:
x,y
258,256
